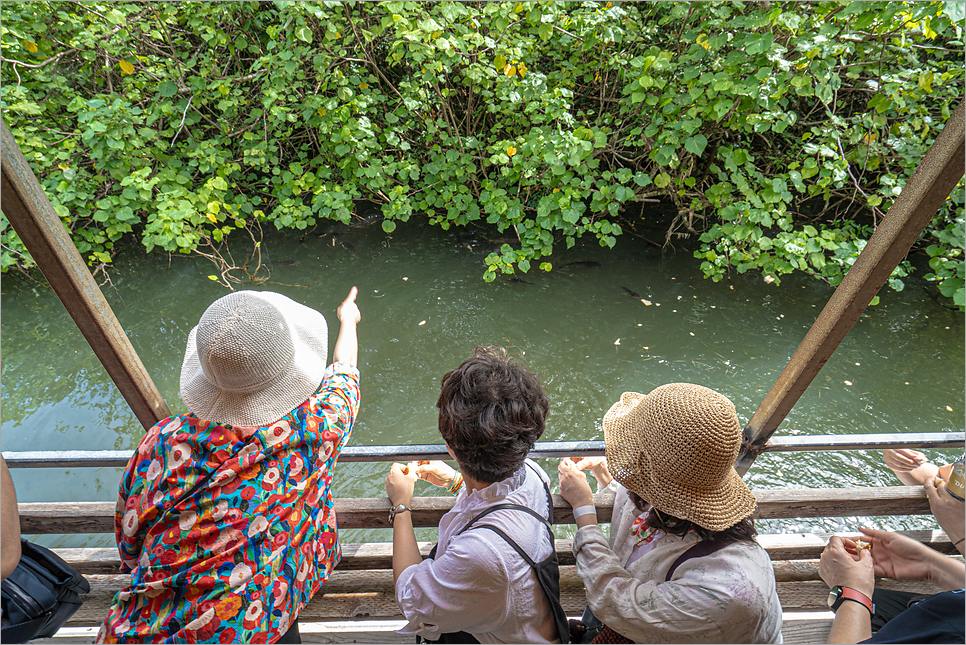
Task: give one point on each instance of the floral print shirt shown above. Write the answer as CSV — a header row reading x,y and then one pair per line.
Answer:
x,y
228,531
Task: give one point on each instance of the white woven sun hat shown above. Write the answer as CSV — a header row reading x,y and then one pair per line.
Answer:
x,y
676,448
254,357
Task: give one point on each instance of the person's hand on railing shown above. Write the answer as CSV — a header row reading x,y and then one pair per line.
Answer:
x,y
400,483
575,489
597,467
948,512
910,466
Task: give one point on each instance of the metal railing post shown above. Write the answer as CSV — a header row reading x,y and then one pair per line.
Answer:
x,y
937,175
40,229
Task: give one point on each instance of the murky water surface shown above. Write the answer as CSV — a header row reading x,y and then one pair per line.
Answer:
x,y
425,307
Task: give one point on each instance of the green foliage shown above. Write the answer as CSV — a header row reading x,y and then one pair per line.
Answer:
x,y
781,132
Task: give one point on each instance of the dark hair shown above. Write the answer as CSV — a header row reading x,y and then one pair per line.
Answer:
x,y
743,530
491,412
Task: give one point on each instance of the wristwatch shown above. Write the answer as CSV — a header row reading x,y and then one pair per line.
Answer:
x,y
840,594
398,508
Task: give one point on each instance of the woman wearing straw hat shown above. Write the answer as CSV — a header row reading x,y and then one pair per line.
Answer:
x,y
224,517
682,564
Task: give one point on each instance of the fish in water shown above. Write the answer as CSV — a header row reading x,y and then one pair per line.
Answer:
x,y
632,294
583,263
288,263
348,247
519,281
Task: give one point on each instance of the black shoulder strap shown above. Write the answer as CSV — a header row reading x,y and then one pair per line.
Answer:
x,y
517,507
510,541
546,489
699,550
499,507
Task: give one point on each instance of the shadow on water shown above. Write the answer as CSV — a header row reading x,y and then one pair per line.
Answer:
x,y
600,323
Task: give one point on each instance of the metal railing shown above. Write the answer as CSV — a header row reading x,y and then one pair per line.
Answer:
x,y
541,450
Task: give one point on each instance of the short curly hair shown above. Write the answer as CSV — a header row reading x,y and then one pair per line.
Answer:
x,y
491,412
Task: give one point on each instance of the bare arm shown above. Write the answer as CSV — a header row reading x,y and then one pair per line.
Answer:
x,y
853,622
11,523
347,345
901,557
948,512
910,466
405,550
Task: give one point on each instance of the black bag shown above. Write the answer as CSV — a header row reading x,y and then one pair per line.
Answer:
x,y
41,594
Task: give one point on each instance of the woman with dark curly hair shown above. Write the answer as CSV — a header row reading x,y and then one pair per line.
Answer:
x,y
493,576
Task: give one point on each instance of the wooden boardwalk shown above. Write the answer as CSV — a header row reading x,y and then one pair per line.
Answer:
x,y
358,604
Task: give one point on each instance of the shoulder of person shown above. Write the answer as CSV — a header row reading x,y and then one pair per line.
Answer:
x,y
533,468
480,552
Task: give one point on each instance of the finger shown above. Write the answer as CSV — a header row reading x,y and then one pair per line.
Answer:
x,y
835,543
352,295
875,533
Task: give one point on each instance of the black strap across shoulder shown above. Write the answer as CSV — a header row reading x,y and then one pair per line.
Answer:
x,y
699,550
546,571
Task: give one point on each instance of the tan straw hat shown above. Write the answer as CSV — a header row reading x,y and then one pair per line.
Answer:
x,y
254,357
676,448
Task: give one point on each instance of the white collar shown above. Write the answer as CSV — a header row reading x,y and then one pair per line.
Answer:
x,y
494,493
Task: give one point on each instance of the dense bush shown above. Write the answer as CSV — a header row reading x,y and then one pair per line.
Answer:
x,y
781,132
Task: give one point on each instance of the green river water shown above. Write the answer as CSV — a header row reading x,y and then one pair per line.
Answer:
x,y
424,308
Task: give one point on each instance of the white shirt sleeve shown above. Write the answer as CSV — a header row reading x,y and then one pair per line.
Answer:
x,y
464,589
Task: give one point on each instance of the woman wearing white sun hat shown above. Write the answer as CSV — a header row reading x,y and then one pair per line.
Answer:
x,y
682,566
224,517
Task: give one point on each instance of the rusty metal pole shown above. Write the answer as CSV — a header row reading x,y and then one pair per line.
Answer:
x,y
937,175
40,229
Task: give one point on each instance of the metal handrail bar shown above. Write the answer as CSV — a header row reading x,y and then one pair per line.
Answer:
x,y
541,450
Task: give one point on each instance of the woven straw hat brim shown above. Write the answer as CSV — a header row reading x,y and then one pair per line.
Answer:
x,y
288,390
627,436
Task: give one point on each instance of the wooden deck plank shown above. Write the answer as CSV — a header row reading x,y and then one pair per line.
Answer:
x,y
794,555
369,595
797,627
354,513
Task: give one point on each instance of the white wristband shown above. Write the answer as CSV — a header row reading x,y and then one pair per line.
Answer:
x,y
580,511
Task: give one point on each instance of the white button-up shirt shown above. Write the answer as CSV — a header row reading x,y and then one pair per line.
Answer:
x,y
478,583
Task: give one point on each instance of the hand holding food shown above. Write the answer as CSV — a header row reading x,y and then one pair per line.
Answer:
x,y
573,484
597,467
400,485
437,473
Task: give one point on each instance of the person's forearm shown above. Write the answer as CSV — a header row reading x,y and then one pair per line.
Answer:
x,y
852,624
917,476
346,345
11,523
948,573
603,476
405,550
